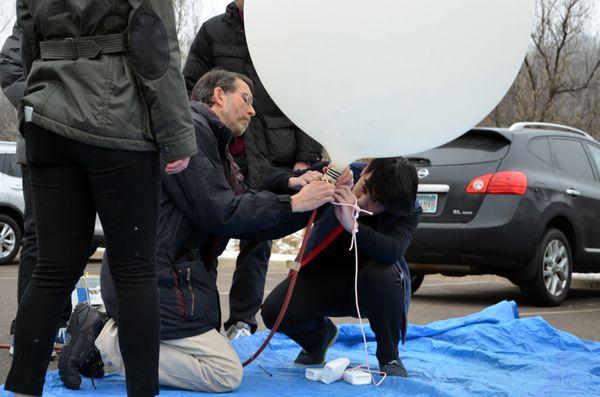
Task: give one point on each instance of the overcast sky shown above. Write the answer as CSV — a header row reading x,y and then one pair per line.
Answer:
x,y
212,7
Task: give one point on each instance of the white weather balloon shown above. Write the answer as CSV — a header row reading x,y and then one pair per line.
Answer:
x,y
379,78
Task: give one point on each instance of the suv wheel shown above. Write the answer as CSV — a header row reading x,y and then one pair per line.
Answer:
x,y
10,239
553,267
415,282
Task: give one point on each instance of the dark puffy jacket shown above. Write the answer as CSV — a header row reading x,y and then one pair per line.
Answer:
x,y
12,79
199,212
273,142
126,93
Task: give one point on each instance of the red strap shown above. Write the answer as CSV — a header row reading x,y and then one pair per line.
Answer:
x,y
319,248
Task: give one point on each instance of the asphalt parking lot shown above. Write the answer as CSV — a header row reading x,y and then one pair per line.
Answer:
x,y
438,298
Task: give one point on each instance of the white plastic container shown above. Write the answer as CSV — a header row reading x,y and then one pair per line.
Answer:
x,y
314,374
357,377
334,370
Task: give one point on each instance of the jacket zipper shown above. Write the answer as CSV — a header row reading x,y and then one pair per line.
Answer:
x,y
189,281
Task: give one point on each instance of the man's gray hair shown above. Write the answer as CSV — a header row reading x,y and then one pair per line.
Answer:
x,y
205,87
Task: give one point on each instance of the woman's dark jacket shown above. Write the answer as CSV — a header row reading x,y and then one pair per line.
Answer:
x,y
106,73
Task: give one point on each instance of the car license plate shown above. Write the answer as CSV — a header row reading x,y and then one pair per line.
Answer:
x,y
428,202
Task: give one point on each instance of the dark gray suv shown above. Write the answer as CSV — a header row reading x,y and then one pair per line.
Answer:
x,y
522,202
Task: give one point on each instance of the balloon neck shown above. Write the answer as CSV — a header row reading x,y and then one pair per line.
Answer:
x,y
333,173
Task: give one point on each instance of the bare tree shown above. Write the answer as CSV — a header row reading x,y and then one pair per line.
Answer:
x,y
188,19
560,78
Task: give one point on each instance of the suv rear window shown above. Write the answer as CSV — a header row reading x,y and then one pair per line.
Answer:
x,y
475,146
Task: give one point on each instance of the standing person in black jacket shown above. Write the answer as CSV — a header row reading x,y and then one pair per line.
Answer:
x,y
201,208
12,80
325,286
271,143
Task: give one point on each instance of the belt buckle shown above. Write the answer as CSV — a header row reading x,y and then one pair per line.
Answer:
x,y
73,47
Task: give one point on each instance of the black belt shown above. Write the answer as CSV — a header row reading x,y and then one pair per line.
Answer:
x,y
84,47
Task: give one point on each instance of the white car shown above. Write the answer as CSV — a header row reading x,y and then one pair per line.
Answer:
x,y
12,205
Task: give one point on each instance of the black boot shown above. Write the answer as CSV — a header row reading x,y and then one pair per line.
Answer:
x,y
317,356
394,368
80,356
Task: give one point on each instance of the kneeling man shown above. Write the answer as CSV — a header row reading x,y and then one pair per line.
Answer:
x,y
200,209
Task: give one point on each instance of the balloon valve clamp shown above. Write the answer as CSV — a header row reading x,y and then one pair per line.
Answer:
x,y
332,174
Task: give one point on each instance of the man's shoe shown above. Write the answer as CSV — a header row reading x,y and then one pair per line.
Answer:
x,y
238,330
80,355
317,357
394,368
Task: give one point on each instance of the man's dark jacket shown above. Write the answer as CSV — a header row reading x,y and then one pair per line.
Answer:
x,y
272,141
201,208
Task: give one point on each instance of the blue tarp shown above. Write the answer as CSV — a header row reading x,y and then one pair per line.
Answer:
x,y
490,353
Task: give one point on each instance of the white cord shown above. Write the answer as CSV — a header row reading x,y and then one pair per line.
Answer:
x,y
356,210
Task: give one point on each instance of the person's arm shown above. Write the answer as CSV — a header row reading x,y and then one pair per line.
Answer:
x,y
309,150
155,53
298,221
384,247
27,36
290,181
204,195
12,78
278,181
387,247
199,61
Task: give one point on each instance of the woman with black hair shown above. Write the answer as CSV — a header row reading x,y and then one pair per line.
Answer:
x,y
325,286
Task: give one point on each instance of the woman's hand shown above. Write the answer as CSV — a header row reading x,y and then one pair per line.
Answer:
x,y
345,213
346,179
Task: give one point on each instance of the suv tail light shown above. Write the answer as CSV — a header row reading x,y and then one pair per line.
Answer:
x,y
505,182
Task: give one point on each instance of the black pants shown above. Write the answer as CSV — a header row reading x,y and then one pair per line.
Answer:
x,y
248,286
317,296
28,255
71,181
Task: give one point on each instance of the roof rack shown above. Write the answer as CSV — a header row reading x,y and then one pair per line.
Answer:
x,y
526,124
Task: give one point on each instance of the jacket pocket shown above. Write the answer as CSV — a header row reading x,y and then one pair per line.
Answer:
x,y
194,291
281,141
